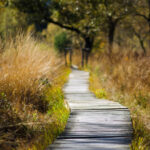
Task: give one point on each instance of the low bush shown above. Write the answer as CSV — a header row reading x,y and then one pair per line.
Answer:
x,y
61,42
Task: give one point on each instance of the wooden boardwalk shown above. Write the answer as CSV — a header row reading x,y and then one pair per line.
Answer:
x,y
94,124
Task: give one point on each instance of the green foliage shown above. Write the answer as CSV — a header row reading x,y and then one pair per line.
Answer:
x,y
61,42
142,100
101,93
38,11
11,22
50,32
87,18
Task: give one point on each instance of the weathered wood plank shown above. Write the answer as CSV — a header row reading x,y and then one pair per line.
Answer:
x,y
94,124
120,143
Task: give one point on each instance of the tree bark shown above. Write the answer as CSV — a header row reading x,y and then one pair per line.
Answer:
x,y
89,41
111,34
65,57
141,41
71,28
70,57
143,47
82,62
87,58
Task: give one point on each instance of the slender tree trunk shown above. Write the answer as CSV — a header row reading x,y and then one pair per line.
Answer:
x,y
70,57
65,57
82,62
89,41
111,34
141,41
87,58
143,47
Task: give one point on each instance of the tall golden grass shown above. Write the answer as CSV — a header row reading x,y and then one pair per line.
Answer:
x,y
126,79
126,70
27,69
22,66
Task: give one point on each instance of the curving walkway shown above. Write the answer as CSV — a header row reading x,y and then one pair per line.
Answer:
x,y
94,124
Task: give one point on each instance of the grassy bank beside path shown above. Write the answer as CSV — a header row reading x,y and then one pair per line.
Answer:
x,y
32,106
125,80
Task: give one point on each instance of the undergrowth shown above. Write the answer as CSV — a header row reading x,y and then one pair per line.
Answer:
x,y
32,107
125,79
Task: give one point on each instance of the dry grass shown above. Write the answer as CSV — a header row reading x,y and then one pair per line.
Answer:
x,y
27,70
126,79
23,69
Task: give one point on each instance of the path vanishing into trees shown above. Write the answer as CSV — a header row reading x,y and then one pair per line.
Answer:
x,y
94,124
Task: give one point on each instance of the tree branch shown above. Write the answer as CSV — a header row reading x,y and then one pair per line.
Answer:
x,y
141,15
65,26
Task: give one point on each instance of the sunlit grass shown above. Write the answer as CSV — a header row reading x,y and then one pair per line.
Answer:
x,y
125,79
31,100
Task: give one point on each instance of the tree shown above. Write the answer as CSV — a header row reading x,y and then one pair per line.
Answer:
x,y
11,22
87,18
114,12
78,16
143,11
61,42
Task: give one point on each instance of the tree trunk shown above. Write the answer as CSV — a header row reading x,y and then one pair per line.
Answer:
x,y
70,57
89,41
65,57
82,62
141,41
111,33
87,58
143,47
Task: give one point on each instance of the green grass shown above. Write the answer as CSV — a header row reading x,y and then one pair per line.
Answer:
x,y
59,114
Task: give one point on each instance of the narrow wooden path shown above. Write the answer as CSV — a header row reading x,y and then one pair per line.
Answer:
x,y
94,124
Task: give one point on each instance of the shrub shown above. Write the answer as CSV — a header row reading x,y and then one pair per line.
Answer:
x,y
61,41
101,93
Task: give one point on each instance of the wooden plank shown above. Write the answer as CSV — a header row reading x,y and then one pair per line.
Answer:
x,y
120,143
94,124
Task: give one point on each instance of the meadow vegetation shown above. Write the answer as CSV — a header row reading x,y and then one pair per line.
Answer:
x,y
113,33
125,79
31,99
